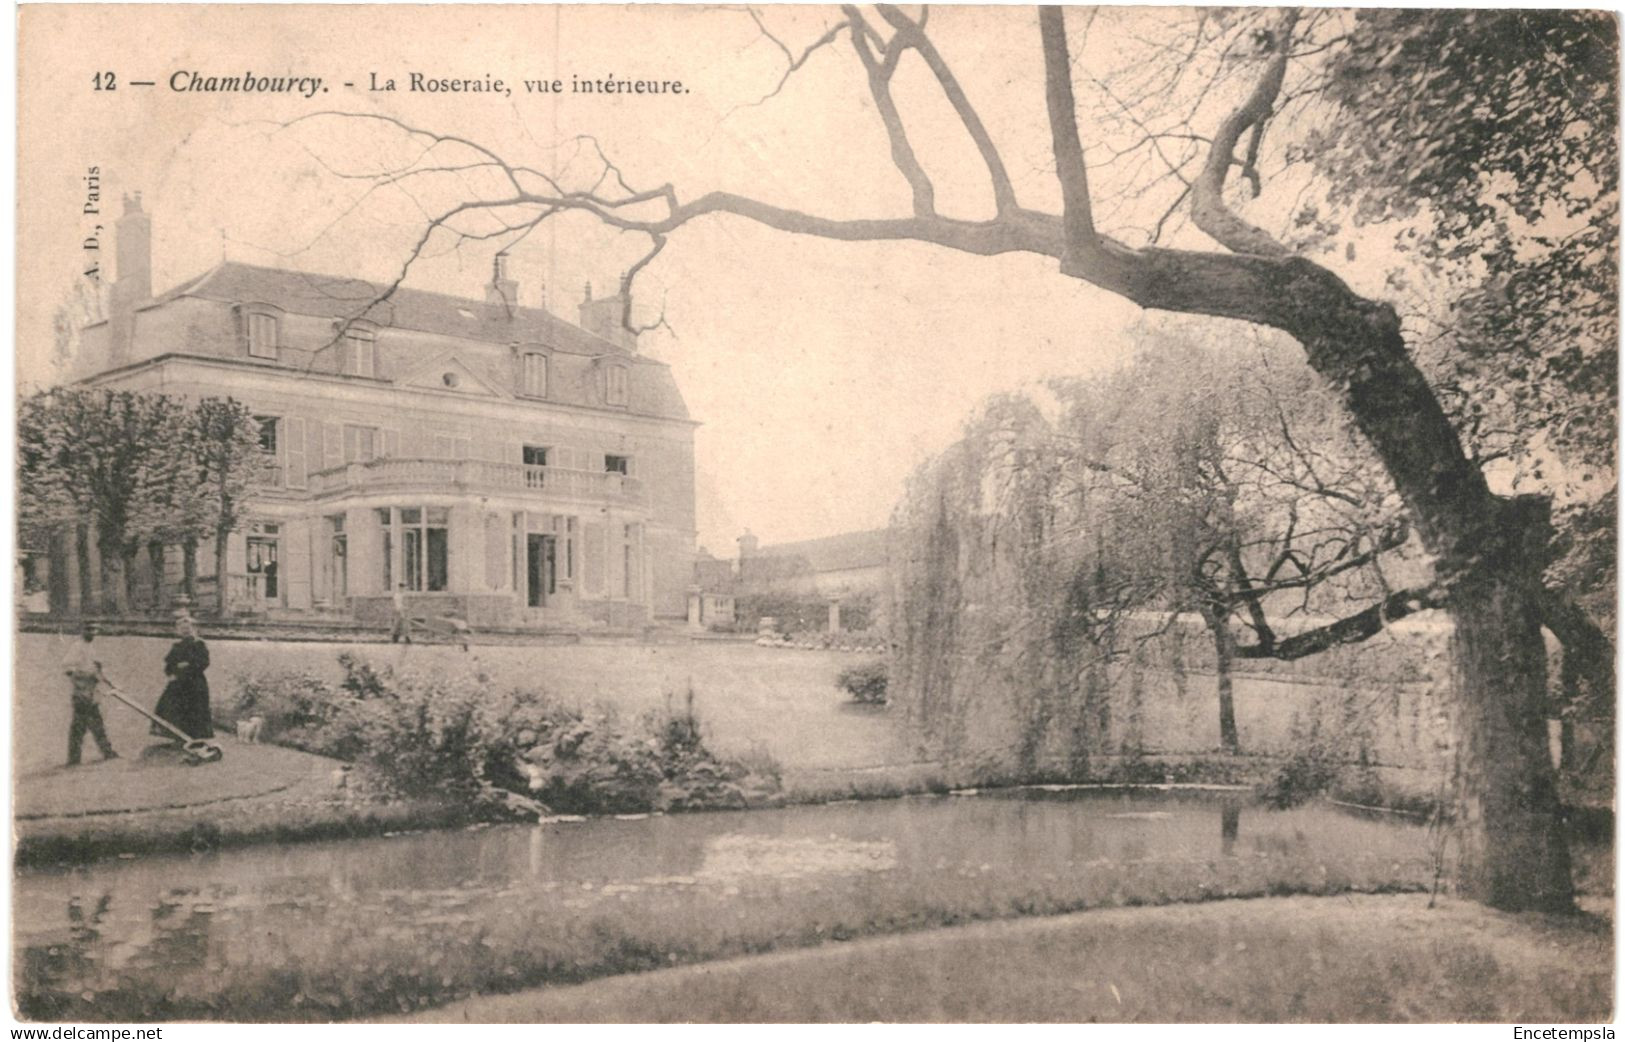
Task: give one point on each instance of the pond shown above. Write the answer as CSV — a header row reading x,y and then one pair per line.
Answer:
x,y
334,929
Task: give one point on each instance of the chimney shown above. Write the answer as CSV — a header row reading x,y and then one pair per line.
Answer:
x,y
134,233
502,295
602,318
133,287
747,545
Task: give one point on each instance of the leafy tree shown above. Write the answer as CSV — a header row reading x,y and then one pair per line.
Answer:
x,y
98,456
1235,73
48,501
1232,489
83,307
141,470
1494,133
223,447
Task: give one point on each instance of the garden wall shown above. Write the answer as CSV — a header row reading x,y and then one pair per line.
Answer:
x,y
1013,656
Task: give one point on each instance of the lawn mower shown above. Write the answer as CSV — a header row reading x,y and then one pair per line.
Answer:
x,y
195,750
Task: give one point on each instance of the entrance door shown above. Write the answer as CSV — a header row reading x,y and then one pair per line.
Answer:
x,y
262,570
541,569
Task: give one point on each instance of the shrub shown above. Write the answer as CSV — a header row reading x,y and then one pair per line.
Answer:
x,y
299,710
594,763
1303,776
866,682
457,737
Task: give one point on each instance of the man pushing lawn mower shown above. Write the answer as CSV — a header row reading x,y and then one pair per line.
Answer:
x,y
84,669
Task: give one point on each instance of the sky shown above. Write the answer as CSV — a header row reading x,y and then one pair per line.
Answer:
x,y
823,373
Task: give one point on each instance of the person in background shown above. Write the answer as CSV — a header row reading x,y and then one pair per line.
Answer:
x,y
402,629
84,669
185,701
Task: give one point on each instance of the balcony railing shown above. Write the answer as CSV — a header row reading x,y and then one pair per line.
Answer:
x,y
476,476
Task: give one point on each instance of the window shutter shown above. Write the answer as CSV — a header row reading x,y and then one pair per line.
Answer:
x,y
293,442
313,445
392,442
294,569
332,446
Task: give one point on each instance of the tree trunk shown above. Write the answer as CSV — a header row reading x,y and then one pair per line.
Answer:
x,y
1513,851
61,572
222,601
89,589
127,574
155,554
1224,656
115,594
189,569
1229,740
1566,758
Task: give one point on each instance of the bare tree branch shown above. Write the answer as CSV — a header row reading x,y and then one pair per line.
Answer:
x,y
1076,206
1208,208
1349,630
912,33
879,70
794,62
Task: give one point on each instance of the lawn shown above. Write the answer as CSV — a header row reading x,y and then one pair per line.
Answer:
x,y
1348,959
782,701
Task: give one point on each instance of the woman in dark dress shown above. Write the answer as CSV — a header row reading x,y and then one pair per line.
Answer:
x,y
185,701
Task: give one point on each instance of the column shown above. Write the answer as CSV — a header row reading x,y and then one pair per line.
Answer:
x,y
366,544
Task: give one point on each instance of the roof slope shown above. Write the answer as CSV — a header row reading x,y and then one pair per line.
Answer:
x,y
574,377
308,293
836,553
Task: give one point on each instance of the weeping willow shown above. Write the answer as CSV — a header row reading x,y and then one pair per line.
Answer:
x,y
1033,638
1004,639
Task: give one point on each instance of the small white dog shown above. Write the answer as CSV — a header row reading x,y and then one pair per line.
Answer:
x,y
535,777
249,730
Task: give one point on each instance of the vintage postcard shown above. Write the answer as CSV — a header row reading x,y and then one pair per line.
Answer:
x,y
814,514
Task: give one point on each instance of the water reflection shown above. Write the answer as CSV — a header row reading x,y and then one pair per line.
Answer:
x,y
1229,825
408,903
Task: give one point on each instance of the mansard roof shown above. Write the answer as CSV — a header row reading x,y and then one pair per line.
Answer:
x,y
575,371
308,293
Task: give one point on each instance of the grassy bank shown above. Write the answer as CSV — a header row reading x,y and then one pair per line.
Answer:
x,y
1355,959
361,962
81,840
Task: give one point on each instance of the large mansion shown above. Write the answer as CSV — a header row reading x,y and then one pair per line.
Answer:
x,y
502,464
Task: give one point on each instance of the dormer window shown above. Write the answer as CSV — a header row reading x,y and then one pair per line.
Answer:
x,y
358,351
262,335
533,374
615,384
